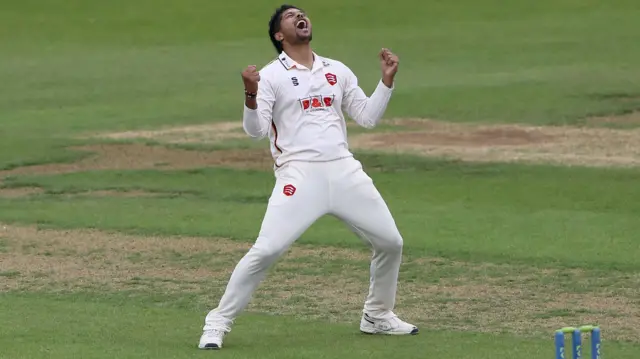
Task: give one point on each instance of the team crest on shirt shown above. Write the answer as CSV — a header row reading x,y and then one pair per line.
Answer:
x,y
316,103
331,78
289,190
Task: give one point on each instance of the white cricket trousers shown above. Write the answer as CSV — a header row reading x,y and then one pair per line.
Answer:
x,y
304,192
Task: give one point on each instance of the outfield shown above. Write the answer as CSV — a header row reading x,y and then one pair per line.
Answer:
x,y
509,156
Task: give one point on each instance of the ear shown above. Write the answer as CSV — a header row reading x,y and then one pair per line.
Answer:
x,y
279,36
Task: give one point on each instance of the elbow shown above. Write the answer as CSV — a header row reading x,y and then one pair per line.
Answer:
x,y
254,133
257,135
368,116
367,120
368,123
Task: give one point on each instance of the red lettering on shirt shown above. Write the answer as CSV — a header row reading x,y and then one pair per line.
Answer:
x,y
327,101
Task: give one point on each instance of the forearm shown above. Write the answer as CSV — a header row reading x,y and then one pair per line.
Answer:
x,y
258,104
372,109
252,124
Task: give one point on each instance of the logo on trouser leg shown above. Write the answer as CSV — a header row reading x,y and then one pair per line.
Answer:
x,y
289,190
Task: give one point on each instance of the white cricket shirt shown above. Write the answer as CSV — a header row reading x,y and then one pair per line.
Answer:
x,y
301,110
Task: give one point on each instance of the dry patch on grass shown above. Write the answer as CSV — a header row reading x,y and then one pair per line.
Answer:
x,y
19,192
101,260
525,300
110,193
138,156
324,283
632,119
22,192
564,145
207,133
113,193
468,142
509,143
135,156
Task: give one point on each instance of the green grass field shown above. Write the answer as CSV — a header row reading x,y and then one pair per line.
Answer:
x,y
509,156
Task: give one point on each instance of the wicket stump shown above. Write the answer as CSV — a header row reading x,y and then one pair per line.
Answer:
x,y
576,341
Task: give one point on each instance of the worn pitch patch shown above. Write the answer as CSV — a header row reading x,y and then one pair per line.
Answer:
x,y
205,133
560,145
140,156
323,283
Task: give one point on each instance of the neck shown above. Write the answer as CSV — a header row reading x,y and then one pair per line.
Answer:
x,y
301,54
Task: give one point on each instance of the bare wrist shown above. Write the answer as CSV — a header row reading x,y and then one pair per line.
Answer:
x,y
387,81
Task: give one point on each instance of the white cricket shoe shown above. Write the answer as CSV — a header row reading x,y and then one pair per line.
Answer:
x,y
389,325
212,338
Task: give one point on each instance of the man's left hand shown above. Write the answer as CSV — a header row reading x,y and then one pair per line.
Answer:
x,y
389,64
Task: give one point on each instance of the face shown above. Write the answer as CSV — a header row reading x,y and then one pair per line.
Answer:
x,y
295,27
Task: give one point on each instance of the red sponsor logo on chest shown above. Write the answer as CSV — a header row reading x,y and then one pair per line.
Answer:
x,y
316,102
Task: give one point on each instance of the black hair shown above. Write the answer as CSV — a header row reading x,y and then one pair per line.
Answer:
x,y
274,25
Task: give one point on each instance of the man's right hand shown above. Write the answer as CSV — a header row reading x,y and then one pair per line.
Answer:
x,y
251,77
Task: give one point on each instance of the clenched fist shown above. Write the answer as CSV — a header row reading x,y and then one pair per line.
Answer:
x,y
389,65
251,77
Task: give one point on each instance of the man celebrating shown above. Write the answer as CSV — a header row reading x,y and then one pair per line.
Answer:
x,y
297,102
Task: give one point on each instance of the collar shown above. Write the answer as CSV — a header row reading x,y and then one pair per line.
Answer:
x,y
289,63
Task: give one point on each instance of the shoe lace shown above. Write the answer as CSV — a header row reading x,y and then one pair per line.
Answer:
x,y
387,316
219,327
218,331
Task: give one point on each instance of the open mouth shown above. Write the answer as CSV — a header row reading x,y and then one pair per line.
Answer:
x,y
302,24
